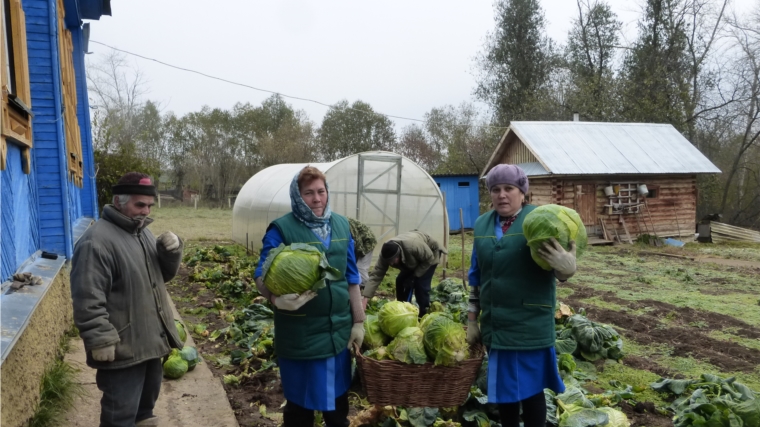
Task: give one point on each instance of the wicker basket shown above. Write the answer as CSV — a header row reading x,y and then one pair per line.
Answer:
x,y
390,382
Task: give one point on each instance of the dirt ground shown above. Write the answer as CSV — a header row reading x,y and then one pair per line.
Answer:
x,y
264,390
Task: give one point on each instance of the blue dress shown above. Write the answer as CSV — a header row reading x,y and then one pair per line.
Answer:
x,y
314,384
515,375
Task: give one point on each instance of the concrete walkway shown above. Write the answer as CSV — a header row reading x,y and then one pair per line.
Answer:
x,y
195,400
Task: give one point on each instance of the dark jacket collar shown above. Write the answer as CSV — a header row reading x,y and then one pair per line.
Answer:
x,y
112,215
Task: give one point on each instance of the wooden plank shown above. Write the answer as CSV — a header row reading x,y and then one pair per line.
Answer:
x,y
627,235
604,229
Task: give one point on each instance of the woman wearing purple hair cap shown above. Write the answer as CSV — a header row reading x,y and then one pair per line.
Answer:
x,y
517,299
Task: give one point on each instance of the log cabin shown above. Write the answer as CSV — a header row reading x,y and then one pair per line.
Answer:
x,y
625,180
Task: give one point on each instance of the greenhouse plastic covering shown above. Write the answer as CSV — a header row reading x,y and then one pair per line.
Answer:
x,y
388,192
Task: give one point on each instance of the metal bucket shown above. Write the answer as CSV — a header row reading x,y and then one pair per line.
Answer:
x,y
609,191
642,190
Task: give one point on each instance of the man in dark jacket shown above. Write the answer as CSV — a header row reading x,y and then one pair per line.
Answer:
x,y
416,255
121,306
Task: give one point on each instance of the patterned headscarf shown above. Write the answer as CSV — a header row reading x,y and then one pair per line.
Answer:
x,y
320,225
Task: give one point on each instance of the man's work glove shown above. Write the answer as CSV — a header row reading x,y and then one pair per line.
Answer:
x,y
104,354
293,302
357,335
473,332
562,261
169,241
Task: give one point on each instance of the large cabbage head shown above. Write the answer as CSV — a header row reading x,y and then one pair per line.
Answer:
x,y
445,341
296,269
175,367
547,221
190,355
374,337
408,347
431,316
397,315
180,330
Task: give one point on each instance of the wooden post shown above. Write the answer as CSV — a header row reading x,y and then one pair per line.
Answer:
x,y
461,228
677,224
196,202
159,200
445,233
625,228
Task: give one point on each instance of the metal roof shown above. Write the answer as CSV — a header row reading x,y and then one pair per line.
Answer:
x,y
592,148
533,169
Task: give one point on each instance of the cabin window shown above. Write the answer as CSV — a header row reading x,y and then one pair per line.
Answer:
x,y
16,113
464,184
654,191
69,89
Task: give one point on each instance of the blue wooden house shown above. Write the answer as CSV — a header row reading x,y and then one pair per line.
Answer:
x,y
461,192
47,183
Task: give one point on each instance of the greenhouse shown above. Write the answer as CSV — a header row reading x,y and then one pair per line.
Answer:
x,y
388,192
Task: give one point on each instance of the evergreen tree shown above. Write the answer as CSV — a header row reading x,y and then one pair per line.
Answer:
x,y
516,63
656,87
590,52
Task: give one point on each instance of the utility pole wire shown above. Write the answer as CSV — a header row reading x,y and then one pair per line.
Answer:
x,y
263,90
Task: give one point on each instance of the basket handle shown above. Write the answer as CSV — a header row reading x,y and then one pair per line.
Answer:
x,y
357,350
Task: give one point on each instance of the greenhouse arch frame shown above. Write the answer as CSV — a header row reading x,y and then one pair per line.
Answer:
x,y
386,191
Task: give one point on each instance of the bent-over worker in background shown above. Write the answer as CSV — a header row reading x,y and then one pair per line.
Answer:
x,y
120,302
314,330
416,255
515,299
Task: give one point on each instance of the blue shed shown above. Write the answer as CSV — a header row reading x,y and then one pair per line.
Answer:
x,y
461,192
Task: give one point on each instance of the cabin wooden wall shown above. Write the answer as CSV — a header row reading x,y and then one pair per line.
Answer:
x,y
672,211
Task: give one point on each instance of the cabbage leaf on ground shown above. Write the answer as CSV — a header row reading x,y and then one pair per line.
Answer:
x,y
560,222
296,269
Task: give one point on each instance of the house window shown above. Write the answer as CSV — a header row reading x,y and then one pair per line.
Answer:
x,y
69,89
654,191
464,184
16,114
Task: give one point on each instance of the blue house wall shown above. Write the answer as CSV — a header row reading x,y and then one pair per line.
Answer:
x,y
39,210
461,193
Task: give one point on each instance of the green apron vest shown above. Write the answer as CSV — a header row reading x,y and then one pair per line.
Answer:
x,y
517,297
321,328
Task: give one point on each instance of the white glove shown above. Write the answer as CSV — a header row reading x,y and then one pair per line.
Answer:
x,y
293,302
562,261
357,335
169,240
473,332
104,354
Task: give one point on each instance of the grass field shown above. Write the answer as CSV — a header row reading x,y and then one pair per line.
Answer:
x,y
202,224
678,316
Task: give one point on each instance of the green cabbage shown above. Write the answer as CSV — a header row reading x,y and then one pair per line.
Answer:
x,y
190,355
445,341
180,330
380,353
431,316
408,347
175,367
374,337
397,315
547,221
296,269
616,418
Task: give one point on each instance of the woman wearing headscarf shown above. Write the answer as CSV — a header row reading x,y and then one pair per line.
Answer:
x,y
515,299
314,330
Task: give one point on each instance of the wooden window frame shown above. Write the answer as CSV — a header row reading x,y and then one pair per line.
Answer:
x,y
74,158
15,108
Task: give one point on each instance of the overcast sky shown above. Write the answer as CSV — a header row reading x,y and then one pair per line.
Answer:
x,y
402,57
